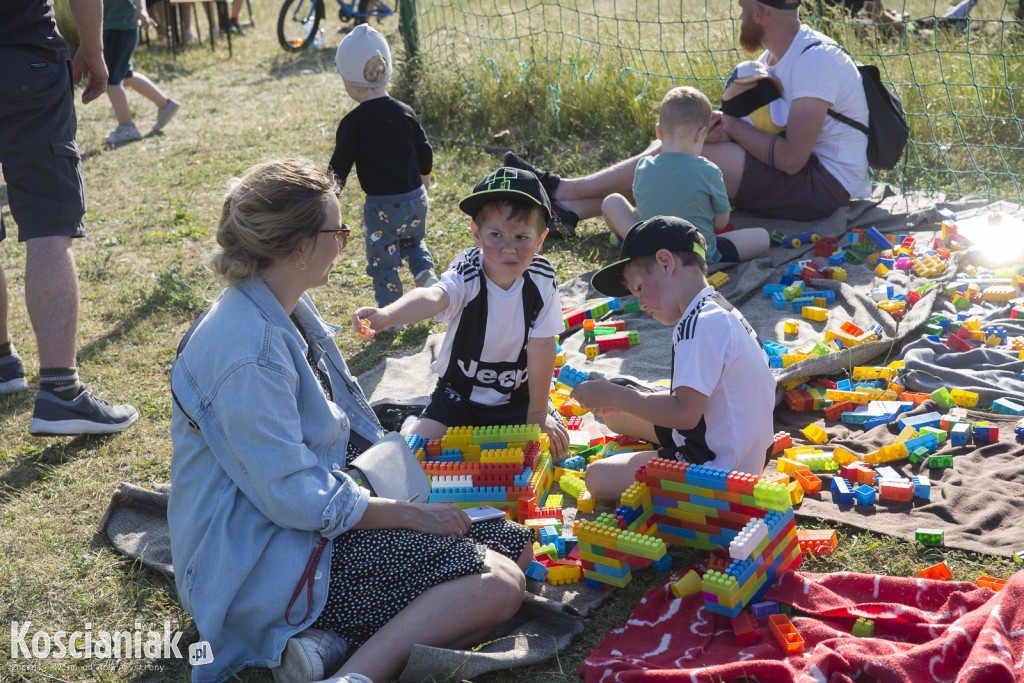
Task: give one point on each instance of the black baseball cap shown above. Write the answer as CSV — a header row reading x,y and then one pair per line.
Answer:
x,y
644,238
507,183
781,4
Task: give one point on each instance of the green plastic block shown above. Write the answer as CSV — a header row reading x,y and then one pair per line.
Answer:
x,y
942,397
863,628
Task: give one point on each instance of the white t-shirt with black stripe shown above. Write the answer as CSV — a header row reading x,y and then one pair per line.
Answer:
x,y
716,353
504,333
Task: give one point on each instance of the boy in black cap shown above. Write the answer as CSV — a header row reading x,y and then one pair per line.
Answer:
x,y
719,410
500,301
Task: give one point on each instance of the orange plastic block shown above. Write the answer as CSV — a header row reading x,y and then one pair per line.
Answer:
x,y
782,441
786,634
990,582
817,541
807,479
937,571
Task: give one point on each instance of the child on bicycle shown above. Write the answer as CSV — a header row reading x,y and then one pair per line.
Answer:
x,y
384,139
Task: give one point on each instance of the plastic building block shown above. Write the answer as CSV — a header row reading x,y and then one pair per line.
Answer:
x,y
365,332
1005,406
764,609
989,582
863,628
811,484
960,435
896,489
718,279
938,571
687,585
817,541
841,491
983,431
814,434
929,537
746,629
786,634
864,495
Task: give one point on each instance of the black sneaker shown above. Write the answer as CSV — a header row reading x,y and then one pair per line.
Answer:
x,y
12,374
235,28
392,413
84,414
563,223
548,180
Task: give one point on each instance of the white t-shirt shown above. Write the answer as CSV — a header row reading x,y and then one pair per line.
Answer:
x,y
827,73
716,353
497,370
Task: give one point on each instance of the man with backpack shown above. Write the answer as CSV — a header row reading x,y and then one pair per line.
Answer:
x,y
815,167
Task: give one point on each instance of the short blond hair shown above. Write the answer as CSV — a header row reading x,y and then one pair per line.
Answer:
x,y
683,111
268,214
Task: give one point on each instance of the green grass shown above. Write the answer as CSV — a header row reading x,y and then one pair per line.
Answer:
x,y
153,208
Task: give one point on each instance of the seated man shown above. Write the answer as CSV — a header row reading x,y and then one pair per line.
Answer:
x,y
816,168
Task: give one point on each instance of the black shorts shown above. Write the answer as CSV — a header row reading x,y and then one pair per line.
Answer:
x,y
669,451
40,160
452,409
118,48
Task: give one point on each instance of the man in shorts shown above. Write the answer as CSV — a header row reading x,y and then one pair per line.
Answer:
x,y
46,191
816,168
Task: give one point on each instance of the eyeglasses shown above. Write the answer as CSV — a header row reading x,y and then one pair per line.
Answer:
x,y
341,234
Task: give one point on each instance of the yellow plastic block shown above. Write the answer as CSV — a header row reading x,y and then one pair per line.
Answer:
x,y
814,313
814,434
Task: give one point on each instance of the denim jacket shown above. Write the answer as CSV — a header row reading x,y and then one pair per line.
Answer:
x,y
255,473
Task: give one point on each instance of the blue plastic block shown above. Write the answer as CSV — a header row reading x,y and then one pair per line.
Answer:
x,y
922,487
764,609
864,494
779,301
537,571
773,348
841,491
662,564
878,238
838,258
932,419
886,472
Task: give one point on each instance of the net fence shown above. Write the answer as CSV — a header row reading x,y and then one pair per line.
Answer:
x,y
594,68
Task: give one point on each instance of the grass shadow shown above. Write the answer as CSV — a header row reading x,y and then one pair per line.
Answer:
x,y
31,464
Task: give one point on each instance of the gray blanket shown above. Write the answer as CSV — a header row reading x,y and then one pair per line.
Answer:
x,y
136,524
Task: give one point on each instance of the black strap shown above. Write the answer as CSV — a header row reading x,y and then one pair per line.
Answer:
x,y
468,344
831,112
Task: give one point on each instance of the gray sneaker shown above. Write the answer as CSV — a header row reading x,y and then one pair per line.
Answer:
x,y
12,374
84,414
123,133
311,656
164,114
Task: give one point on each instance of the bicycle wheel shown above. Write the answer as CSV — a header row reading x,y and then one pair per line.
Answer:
x,y
297,24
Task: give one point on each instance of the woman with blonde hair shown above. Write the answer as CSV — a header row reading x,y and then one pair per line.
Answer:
x,y
281,558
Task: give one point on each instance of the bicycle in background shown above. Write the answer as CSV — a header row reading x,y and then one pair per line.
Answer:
x,y
299,21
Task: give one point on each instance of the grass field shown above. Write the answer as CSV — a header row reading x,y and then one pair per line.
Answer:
x,y
153,206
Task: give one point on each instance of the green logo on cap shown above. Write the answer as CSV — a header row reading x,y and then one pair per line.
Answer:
x,y
502,181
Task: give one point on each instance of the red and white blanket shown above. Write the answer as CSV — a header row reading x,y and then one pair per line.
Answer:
x,y
925,630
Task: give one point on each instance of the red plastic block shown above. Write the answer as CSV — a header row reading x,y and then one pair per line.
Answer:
x,y
817,541
782,441
746,629
786,634
836,410
897,490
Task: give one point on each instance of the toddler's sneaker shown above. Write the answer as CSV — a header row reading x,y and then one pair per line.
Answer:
x,y
311,656
235,28
12,374
164,114
123,133
84,414
426,278
347,678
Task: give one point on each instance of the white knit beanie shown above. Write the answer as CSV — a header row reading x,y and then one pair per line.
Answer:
x,y
364,58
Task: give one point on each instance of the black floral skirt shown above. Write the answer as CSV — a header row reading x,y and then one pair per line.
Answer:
x,y
375,573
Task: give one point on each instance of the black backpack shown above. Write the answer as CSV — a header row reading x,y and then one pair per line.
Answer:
x,y
887,128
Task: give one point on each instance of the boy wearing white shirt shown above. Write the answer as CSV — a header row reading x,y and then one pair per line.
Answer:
x,y
500,301
720,407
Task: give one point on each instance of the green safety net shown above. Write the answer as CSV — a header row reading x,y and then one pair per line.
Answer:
x,y
586,69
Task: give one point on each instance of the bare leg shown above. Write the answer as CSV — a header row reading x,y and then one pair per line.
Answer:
x,y
51,295
119,101
749,242
609,477
427,428
630,425
573,193
454,614
619,214
147,89
730,158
